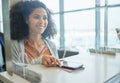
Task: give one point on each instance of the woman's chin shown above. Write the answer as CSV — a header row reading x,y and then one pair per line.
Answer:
x,y
40,32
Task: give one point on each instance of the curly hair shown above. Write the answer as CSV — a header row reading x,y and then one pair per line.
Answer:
x,y
20,12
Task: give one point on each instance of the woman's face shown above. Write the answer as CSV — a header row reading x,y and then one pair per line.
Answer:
x,y
37,21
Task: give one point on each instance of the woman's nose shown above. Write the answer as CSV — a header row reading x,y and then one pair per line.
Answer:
x,y
41,21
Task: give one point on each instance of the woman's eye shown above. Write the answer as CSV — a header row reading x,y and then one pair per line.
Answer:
x,y
36,17
45,18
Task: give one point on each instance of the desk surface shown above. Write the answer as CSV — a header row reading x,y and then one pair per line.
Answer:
x,y
98,68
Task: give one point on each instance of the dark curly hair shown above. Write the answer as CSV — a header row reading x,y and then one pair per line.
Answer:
x,y
20,12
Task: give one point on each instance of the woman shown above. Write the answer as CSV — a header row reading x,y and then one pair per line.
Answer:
x,y
31,28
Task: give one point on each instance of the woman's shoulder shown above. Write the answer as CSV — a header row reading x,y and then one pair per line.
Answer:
x,y
17,45
16,42
49,41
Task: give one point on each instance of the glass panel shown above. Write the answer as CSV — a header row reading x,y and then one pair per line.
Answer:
x,y
80,29
102,26
78,4
57,24
113,2
102,2
53,5
1,23
113,23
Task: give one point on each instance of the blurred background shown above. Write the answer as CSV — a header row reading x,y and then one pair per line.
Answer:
x,y
88,23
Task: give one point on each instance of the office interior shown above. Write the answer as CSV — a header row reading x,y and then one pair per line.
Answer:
x,y
92,26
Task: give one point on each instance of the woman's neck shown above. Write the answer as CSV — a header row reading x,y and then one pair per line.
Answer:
x,y
35,40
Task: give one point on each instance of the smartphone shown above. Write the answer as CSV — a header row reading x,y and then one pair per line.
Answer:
x,y
71,65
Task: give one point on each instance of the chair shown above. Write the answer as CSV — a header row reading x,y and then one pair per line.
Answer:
x,y
67,54
3,52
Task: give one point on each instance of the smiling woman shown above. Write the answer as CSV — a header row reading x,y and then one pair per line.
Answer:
x,y
31,28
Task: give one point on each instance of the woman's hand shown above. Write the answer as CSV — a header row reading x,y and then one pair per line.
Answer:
x,y
50,61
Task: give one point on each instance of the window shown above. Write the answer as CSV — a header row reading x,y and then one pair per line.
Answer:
x,y
111,2
80,28
79,20
113,23
53,5
78,4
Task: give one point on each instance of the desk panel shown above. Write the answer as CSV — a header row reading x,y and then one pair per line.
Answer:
x,y
98,68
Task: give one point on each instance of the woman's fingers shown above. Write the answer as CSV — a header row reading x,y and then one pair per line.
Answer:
x,y
57,62
51,61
